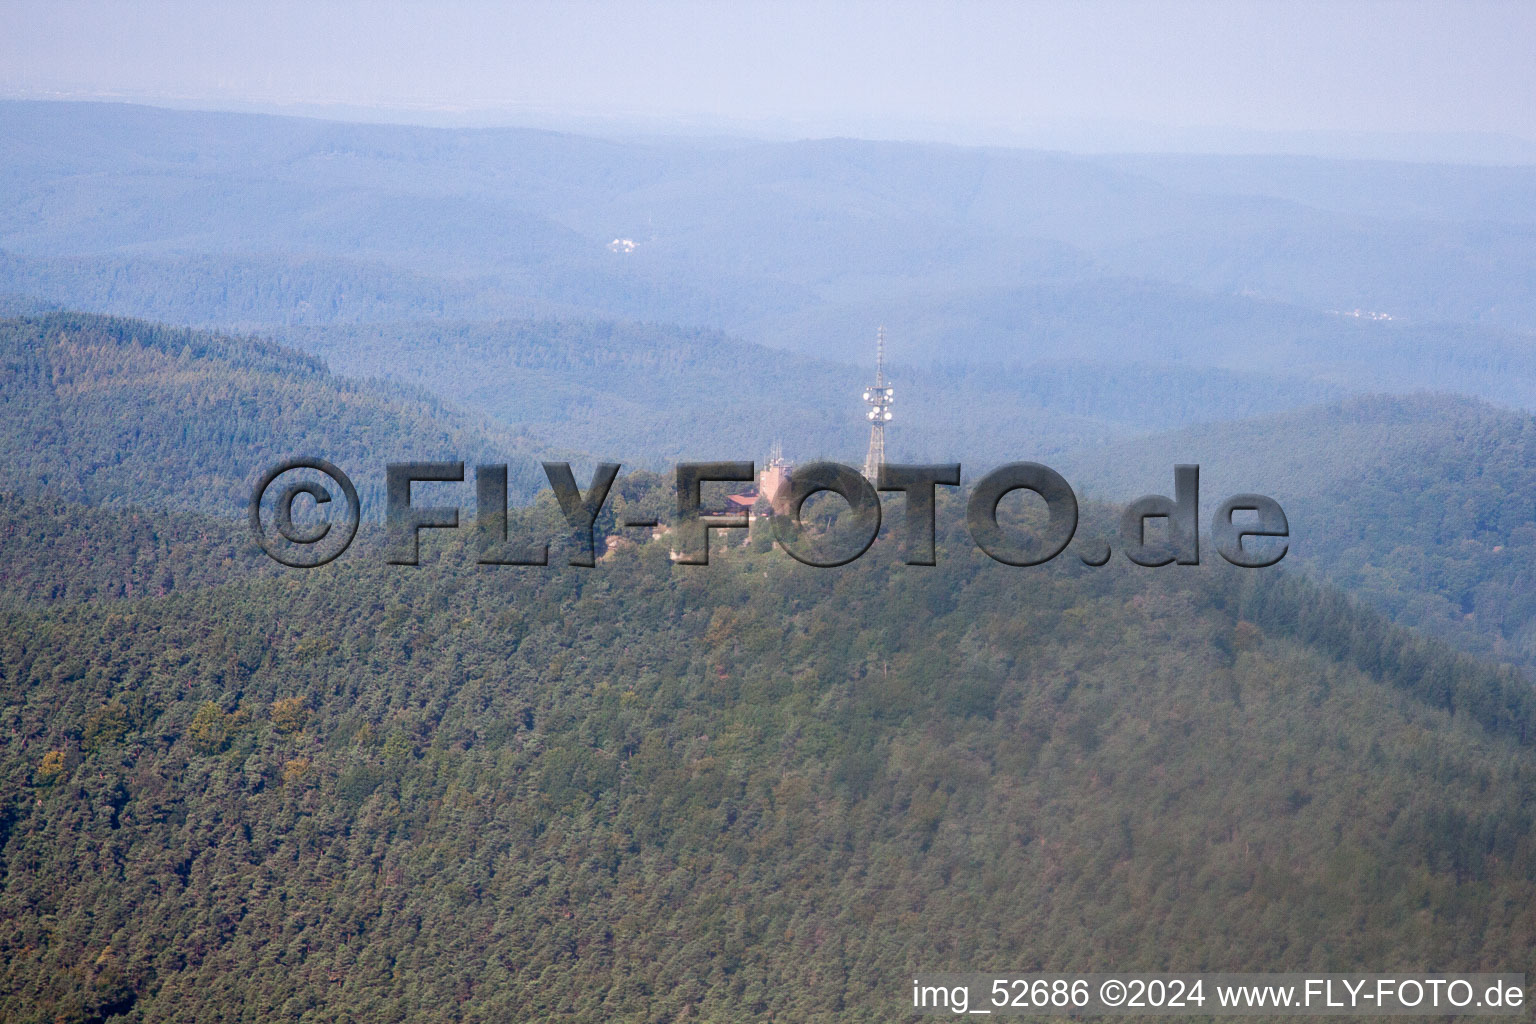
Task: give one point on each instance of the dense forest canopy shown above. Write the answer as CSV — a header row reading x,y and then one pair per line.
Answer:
x,y
101,410
1423,505
648,790
753,790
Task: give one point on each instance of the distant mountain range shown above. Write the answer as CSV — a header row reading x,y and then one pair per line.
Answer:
x,y
740,234
752,790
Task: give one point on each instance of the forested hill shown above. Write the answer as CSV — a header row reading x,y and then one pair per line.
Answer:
x,y
746,791
1353,275
107,411
752,790
1424,505
732,232
642,393
653,394
61,551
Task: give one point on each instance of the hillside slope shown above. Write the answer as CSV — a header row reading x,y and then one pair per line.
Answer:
x,y
752,790
101,410
60,551
1424,505
652,394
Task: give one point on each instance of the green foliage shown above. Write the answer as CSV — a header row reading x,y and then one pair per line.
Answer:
x,y
651,394
104,411
59,551
209,730
754,791
748,791
1423,506
50,769
289,714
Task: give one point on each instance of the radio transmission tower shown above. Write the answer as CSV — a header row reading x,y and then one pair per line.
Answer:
x,y
878,398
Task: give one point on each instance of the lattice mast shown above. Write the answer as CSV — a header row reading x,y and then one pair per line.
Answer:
x,y
878,397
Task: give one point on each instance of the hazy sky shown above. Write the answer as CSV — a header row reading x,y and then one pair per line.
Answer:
x,y
1337,66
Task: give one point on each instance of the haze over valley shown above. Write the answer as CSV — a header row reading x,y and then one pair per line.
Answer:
x,y
754,790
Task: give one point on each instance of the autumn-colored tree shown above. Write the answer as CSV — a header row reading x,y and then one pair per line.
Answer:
x,y
289,714
209,730
50,768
